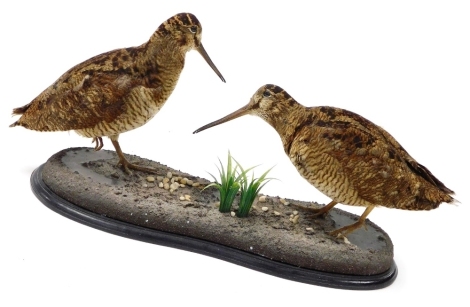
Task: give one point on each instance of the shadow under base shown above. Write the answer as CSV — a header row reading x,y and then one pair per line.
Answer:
x,y
87,187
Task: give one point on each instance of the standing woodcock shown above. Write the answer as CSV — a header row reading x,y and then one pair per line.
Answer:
x,y
345,156
119,90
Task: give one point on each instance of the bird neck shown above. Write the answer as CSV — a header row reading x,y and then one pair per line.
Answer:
x,y
288,122
161,62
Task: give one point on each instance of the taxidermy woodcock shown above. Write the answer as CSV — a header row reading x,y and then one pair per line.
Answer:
x,y
345,156
119,90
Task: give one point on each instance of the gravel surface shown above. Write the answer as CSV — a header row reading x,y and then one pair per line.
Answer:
x,y
280,229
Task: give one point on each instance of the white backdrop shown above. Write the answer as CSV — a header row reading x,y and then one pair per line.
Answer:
x,y
404,65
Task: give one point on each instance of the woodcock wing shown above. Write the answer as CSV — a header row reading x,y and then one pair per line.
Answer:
x,y
345,156
119,90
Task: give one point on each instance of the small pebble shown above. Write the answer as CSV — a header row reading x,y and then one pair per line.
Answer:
x,y
169,175
189,181
159,178
232,213
284,202
264,209
166,180
276,213
151,179
182,198
187,197
295,212
196,184
166,186
160,184
262,199
183,181
145,185
175,185
182,185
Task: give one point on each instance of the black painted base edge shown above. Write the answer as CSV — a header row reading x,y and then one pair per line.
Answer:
x,y
242,258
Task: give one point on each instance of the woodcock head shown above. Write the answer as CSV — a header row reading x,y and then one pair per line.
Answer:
x,y
270,102
186,30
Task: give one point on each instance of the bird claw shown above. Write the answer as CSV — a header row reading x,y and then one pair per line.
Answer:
x,y
99,142
320,214
336,233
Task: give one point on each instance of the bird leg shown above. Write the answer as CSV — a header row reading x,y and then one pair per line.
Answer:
x,y
126,164
323,210
99,142
344,231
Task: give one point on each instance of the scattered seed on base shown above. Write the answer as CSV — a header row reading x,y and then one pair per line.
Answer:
x,y
169,175
309,229
166,180
295,212
264,209
262,199
182,198
151,179
196,184
145,185
276,213
183,181
232,213
284,202
189,181
166,186
295,219
160,184
187,197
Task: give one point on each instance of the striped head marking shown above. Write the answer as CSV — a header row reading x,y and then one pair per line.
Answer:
x,y
186,30
269,102
183,27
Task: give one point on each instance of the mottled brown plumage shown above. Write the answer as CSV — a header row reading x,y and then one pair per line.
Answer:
x,y
119,90
345,156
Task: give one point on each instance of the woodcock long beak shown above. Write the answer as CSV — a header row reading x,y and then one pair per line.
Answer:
x,y
240,112
206,57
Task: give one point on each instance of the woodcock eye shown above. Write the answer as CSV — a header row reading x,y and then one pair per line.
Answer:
x,y
193,29
266,94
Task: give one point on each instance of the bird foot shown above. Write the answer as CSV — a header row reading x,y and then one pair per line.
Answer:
x,y
323,211
344,231
319,213
127,166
